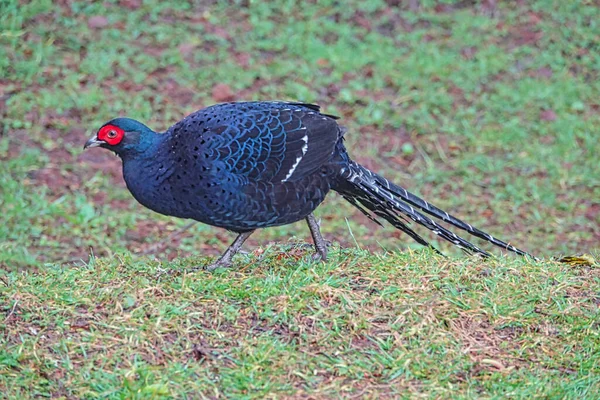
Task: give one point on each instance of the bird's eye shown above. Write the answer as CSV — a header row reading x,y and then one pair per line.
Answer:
x,y
112,134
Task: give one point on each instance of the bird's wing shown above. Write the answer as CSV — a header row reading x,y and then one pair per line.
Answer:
x,y
274,142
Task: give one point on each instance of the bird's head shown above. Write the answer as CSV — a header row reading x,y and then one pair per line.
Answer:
x,y
123,136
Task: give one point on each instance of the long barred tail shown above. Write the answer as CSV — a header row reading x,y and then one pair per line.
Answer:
x,y
365,189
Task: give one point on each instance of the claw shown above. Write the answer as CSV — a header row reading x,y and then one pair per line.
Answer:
x,y
316,257
214,266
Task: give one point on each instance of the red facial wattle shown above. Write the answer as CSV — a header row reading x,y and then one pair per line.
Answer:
x,y
111,134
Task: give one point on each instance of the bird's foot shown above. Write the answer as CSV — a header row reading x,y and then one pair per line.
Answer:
x,y
216,265
317,256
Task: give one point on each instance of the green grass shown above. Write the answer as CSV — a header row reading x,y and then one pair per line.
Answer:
x,y
400,325
493,118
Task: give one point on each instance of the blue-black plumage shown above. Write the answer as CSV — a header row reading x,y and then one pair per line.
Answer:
x,y
248,165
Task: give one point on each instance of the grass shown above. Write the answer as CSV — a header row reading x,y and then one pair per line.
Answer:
x,y
490,113
406,324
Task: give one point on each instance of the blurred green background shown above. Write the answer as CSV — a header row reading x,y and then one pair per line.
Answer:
x,y
489,110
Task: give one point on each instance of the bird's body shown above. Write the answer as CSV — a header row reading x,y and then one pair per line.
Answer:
x,y
239,166
243,166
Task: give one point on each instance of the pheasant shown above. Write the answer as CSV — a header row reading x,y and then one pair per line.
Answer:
x,y
249,165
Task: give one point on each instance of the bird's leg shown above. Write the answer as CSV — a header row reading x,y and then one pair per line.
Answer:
x,y
320,243
225,260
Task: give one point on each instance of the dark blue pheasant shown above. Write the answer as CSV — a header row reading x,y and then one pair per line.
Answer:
x,y
243,166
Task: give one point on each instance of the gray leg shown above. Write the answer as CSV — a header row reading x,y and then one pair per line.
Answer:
x,y
320,243
225,260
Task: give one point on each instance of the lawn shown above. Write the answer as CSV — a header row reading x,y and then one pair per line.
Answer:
x,y
490,110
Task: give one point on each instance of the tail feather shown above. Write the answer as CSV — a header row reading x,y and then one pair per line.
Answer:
x,y
397,221
388,200
443,215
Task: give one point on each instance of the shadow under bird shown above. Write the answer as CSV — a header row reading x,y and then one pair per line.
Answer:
x,y
249,165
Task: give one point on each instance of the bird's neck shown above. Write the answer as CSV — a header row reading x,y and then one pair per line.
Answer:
x,y
145,168
144,145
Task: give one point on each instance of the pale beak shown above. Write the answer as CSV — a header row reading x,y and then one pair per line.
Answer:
x,y
93,142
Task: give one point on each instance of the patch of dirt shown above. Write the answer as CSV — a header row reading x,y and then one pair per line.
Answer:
x,y
55,179
486,345
92,161
494,348
222,92
19,140
363,343
524,33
